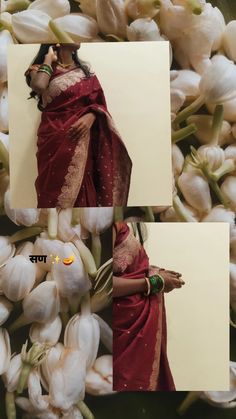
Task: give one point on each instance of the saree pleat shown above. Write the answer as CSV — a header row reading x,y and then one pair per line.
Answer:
x,y
93,171
139,325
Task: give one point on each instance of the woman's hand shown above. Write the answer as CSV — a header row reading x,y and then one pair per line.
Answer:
x,y
81,127
172,279
51,56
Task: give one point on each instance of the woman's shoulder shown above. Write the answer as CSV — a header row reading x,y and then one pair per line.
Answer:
x,y
121,227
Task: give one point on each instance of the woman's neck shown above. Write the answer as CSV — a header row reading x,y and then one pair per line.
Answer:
x,y
65,56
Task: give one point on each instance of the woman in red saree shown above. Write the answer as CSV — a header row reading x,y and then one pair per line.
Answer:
x,y
81,158
139,321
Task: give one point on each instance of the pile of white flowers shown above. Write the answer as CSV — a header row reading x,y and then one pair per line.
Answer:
x,y
203,104
59,301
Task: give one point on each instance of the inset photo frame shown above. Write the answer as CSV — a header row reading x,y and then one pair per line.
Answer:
x,y
170,307
124,158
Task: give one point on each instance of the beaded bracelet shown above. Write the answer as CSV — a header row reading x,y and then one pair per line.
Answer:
x,y
157,283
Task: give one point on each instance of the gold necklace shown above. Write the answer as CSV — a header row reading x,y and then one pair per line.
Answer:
x,y
65,65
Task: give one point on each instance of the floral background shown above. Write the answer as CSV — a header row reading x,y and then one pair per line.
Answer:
x,y
203,115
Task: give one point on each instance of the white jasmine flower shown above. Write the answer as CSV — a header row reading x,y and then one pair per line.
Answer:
x,y
143,29
195,190
47,333
177,160
82,332
7,250
42,304
24,216
218,82
5,309
12,375
136,9
49,363
5,41
17,277
4,108
229,40
228,188
111,17
67,383
31,26
78,26
54,9
88,7
99,377
204,129
5,350
193,37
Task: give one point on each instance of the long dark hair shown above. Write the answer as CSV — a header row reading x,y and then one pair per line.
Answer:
x,y
39,59
140,231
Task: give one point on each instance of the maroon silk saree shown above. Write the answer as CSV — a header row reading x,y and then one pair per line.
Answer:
x,y
139,325
94,171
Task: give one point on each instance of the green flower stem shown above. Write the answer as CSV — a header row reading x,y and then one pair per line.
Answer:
x,y
86,305
96,249
18,323
24,375
85,411
214,185
4,156
189,110
183,133
118,214
52,223
10,405
25,233
181,210
149,216
203,166
75,216
87,257
194,6
227,167
59,34
17,5
217,124
113,38
5,25
192,397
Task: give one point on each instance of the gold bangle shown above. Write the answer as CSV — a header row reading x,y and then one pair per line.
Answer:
x,y
148,288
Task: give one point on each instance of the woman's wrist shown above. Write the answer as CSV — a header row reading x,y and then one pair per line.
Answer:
x,y
155,284
47,59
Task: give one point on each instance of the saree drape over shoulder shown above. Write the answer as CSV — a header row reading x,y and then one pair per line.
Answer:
x,y
94,171
139,325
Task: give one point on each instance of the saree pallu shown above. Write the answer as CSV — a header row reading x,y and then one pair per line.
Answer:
x,y
93,171
139,325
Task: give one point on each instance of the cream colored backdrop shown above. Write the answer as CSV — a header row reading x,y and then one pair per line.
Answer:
x,y
198,313
135,79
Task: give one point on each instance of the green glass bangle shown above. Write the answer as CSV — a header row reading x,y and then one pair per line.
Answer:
x,y
157,283
49,67
43,70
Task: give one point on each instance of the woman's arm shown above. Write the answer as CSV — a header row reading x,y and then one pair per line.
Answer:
x,y
123,286
39,80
